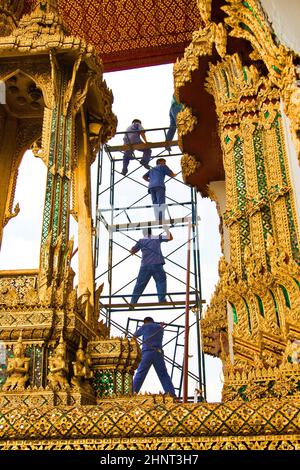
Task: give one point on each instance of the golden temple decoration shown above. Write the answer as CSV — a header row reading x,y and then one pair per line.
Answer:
x,y
259,200
113,361
58,369
156,423
59,106
65,116
82,371
17,369
10,12
248,21
186,122
189,165
203,40
13,214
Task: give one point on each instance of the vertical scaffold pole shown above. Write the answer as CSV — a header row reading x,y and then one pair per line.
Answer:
x,y
187,319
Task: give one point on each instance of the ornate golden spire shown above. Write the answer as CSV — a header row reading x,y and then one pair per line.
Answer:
x,y
37,23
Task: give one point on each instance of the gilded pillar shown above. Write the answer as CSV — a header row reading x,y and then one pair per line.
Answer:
x,y
85,254
252,79
58,105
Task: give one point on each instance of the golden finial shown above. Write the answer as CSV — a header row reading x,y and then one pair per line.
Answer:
x,y
48,6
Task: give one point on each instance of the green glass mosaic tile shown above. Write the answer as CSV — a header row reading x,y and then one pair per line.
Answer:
x,y
248,315
292,229
234,313
286,296
262,186
297,282
47,207
246,27
103,383
245,74
277,69
119,382
276,124
244,226
276,308
127,383
260,305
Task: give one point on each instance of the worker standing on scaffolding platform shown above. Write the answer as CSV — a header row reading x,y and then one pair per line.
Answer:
x,y
133,136
152,354
156,178
174,110
151,265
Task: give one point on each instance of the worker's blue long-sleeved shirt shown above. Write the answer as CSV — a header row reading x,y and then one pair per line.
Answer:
x,y
151,250
152,336
157,176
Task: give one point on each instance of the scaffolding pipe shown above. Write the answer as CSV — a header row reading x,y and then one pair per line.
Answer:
x,y
187,320
189,295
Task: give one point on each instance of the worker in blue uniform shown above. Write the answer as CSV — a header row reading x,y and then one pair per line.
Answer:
x,y
174,110
151,264
152,354
156,179
133,135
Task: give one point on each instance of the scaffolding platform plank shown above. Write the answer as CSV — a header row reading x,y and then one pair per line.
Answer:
x,y
148,145
151,304
150,223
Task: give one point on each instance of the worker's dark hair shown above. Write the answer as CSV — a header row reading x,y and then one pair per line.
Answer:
x,y
148,320
147,232
160,160
137,120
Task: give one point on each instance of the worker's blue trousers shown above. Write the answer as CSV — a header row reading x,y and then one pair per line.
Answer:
x,y
156,359
128,155
172,129
144,276
158,196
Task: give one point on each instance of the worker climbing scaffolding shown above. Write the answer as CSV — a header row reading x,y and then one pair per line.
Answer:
x,y
152,354
157,188
126,206
133,135
151,264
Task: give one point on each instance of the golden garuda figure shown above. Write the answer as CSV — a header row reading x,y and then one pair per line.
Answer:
x,y
17,368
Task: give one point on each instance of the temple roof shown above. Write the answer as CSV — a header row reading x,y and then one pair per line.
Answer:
x,y
129,34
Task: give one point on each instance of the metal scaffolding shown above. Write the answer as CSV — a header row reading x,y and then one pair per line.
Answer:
x,y
122,211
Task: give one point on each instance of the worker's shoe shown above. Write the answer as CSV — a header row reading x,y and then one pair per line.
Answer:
x,y
167,147
177,400
145,165
124,172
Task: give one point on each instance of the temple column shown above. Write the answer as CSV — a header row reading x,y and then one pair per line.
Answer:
x,y
85,253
